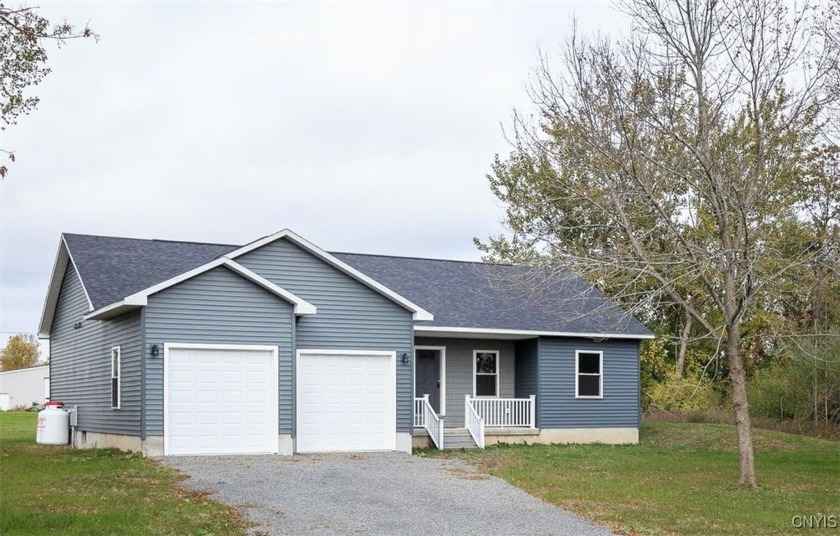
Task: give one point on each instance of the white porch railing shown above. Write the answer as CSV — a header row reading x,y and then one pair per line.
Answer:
x,y
473,422
425,414
419,413
506,412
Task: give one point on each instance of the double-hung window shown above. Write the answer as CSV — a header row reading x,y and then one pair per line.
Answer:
x,y
486,377
589,374
116,365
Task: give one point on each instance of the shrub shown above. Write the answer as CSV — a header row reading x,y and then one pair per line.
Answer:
x,y
680,394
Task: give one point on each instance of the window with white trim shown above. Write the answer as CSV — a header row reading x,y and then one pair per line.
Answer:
x,y
116,366
486,378
589,374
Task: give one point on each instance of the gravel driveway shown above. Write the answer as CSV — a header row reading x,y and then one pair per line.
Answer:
x,y
376,493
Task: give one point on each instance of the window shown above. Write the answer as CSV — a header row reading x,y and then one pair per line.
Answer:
x,y
115,377
589,372
486,366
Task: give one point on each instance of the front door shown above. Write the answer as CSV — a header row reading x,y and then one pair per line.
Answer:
x,y
427,376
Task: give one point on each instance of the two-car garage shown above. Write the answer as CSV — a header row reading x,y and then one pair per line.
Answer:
x,y
223,399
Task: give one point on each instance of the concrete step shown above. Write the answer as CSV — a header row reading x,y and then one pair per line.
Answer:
x,y
457,438
459,446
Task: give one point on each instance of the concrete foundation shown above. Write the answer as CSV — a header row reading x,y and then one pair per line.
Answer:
x,y
287,444
405,441
545,436
151,446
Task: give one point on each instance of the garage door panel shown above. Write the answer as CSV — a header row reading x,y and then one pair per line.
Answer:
x,y
221,401
346,402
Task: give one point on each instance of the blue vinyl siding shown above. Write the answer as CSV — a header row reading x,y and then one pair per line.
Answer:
x,y
350,315
527,369
557,406
80,362
217,307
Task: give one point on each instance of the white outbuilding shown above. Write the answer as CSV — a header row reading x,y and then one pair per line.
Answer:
x,y
24,387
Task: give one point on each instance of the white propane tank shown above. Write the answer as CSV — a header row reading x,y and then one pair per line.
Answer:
x,y
53,424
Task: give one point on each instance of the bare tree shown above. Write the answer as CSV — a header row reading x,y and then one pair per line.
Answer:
x,y
663,166
23,57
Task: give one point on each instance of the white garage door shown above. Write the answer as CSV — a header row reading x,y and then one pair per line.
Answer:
x,y
220,399
346,401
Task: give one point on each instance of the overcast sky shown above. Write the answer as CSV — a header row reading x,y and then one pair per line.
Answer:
x,y
364,128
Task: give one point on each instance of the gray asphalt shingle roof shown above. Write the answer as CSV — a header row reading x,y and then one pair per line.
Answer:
x,y
112,268
457,293
480,295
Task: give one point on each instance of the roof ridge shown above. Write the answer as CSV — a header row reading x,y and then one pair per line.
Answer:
x,y
407,257
412,257
153,240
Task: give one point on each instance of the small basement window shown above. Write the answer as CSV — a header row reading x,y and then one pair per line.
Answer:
x,y
116,365
589,374
486,378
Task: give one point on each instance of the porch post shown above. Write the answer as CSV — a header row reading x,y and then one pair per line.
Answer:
x,y
533,411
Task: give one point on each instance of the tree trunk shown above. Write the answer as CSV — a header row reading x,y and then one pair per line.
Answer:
x,y
742,409
684,334
816,396
826,397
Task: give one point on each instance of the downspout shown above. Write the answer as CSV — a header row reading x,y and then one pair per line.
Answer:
x,y
539,382
143,374
293,357
638,384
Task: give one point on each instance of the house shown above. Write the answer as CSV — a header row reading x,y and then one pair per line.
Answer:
x,y
24,388
279,347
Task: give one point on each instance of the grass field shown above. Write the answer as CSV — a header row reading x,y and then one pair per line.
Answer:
x,y
680,479
59,490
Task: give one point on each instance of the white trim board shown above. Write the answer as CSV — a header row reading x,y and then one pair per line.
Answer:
x,y
139,299
513,334
63,257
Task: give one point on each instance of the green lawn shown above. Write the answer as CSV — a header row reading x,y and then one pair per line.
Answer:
x,y
680,479
59,490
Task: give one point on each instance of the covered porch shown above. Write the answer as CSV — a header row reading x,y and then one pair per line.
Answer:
x,y
467,390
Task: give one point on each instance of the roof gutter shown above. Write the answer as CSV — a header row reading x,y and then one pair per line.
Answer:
x,y
447,331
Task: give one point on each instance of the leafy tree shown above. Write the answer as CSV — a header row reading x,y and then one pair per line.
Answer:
x,y
20,352
664,166
804,385
23,58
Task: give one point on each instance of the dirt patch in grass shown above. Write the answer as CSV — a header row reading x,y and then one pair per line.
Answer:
x,y
466,474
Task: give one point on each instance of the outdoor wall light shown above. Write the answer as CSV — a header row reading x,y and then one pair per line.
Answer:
x,y
404,357
155,350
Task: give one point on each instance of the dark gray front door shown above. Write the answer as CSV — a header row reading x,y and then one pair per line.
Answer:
x,y
427,376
